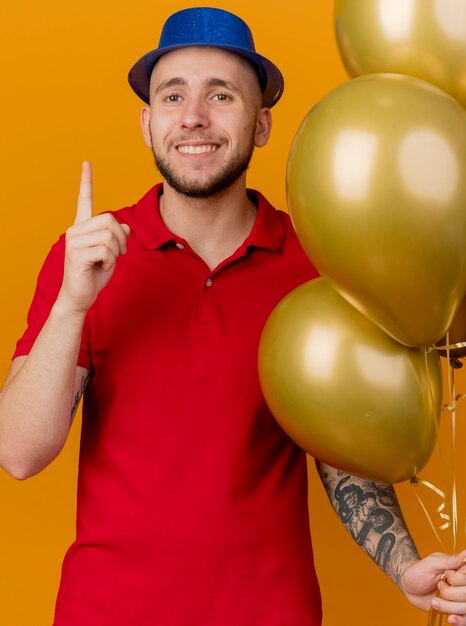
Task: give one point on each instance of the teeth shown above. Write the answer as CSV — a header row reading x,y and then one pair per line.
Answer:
x,y
196,149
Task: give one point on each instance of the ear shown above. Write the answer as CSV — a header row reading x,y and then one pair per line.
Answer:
x,y
145,125
263,127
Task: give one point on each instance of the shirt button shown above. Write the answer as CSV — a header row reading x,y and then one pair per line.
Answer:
x,y
180,246
208,282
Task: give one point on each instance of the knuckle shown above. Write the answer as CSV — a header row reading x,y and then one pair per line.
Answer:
x,y
107,237
107,254
107,218
71,245
69,233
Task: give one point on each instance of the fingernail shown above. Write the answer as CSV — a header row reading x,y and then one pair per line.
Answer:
x,y
435,604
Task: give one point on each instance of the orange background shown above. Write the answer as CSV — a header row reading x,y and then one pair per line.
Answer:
x,y
65,99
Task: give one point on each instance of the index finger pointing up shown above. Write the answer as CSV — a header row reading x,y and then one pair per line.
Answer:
x,y
85,199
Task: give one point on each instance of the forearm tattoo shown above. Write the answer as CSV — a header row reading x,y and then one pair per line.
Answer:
x,y
371,513
79,394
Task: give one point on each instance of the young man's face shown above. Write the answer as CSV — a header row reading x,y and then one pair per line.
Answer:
x,y
204,120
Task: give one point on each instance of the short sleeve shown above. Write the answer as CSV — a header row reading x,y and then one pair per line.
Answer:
x,y
47,288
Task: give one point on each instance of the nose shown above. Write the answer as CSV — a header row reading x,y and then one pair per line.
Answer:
x,y
195,113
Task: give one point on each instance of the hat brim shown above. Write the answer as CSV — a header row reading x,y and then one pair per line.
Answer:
x,y
269,74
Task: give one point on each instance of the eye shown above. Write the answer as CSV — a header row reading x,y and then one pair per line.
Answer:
x,y
222,97
173,97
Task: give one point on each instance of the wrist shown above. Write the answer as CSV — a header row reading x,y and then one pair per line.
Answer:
x,y
412,584
401,577
64,311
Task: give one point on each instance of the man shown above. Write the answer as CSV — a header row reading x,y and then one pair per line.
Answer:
x,y
192,505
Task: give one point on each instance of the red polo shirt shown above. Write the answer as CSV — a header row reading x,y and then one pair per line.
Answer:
x,y
192,502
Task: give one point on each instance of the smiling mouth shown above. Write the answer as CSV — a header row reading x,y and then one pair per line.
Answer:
x,y
204,149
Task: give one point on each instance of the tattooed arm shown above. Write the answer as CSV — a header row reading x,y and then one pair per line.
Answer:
x,y
82,378
371,513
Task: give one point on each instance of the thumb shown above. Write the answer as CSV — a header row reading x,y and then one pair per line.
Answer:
x,y
443,562
85,198
460,560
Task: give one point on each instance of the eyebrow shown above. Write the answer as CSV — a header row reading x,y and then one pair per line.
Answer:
x,y
167,84
226,84
211,82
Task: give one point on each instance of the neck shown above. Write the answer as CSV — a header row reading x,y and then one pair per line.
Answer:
x,y
215,226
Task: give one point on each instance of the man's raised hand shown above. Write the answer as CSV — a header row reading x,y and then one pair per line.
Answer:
x,y
93,244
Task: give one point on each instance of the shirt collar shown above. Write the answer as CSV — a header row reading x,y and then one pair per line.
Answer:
x,y
151,232
267,231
